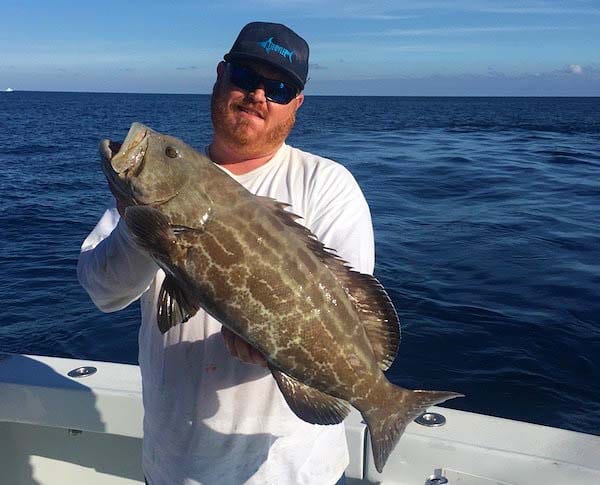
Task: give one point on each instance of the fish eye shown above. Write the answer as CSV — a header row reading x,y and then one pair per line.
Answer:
x,y
171,152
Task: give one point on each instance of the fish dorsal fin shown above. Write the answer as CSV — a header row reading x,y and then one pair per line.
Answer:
x,y
372,302
173,306
377,314
308,403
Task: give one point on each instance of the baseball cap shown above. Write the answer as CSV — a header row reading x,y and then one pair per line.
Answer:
x,y
274,44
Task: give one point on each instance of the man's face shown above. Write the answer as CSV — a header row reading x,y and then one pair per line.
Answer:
x,y
246,121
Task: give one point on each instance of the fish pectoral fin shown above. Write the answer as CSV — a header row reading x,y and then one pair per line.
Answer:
x,y
151,230
173,306
308,403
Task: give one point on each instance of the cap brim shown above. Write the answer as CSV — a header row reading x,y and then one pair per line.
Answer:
x,y
233,56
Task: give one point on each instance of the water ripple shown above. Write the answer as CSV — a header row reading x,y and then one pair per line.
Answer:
x,y
485,213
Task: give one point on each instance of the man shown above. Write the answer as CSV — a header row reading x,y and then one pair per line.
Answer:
x,y
213,412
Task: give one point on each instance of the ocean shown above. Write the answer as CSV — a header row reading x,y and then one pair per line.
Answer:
x,y
487,224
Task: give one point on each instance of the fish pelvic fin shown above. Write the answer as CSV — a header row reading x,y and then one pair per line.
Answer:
x,y
308,403
173,307
387,423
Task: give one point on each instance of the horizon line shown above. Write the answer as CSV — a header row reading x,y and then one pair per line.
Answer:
x,y
321,95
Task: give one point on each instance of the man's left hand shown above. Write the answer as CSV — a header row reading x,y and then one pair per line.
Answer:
x,y
242,350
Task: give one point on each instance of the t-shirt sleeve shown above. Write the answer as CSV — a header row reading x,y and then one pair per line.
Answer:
x,y
339,216
111,268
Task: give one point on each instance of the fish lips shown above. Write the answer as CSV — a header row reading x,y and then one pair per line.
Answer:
x,y
121,162
127,158
118,186
108,149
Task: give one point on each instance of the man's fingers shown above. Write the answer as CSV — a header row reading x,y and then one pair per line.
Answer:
x,y
247,353
242,350
257,357
228,338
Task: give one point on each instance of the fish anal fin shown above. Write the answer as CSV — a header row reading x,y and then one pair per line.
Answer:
x,y
308,403
173,306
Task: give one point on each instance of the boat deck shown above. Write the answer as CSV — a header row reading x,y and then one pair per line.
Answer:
x,y
57,429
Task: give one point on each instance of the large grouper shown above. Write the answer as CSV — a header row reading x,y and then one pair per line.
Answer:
x,y
327,332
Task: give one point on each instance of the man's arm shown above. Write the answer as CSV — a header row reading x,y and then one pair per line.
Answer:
x,y
111,268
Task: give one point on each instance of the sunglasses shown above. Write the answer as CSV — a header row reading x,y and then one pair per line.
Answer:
x,y
248,80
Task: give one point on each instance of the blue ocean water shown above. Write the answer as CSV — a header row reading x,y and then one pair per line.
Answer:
x,y
487,225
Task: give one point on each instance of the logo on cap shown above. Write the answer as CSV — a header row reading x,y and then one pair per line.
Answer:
x,y
270,46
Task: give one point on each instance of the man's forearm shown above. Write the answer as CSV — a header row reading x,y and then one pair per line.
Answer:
x,y
111,268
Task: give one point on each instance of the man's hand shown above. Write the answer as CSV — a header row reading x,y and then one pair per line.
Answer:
x,y
242,350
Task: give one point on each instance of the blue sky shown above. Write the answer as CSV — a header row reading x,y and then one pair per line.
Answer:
x,y
461,47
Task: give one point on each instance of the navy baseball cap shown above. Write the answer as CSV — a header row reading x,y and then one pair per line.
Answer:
x,y
273,44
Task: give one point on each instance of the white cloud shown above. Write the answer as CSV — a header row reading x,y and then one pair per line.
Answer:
x,y
537,9
321,48
405,9
576,69
442,31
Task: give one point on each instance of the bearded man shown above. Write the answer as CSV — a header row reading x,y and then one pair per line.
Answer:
x,y
213,413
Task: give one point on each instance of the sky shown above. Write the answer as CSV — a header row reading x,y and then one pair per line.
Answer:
x,y
396,48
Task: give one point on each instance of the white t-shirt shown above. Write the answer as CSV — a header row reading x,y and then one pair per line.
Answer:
x,y
209,418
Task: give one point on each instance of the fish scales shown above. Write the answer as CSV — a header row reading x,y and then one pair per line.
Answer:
x,y
326,332
273,294
279,298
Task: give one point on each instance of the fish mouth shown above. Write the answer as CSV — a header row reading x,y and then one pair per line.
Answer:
x,y
123,161
129,154
109,148
118,186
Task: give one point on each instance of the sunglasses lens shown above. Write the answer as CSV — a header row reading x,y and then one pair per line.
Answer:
x,y
246,79
279,92
243,78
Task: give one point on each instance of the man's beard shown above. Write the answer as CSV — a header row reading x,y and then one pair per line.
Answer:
x,y
236,134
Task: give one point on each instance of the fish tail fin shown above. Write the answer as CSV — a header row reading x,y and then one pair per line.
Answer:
x,y
387,422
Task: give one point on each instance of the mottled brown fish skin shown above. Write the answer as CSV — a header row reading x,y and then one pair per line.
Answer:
x,y
278,296
246,262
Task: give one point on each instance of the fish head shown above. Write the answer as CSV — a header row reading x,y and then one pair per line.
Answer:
x,y
147,168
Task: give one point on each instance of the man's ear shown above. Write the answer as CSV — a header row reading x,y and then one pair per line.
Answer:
x,y
300,100
221,69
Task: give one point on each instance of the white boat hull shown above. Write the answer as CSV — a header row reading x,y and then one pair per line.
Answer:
x,y
55,429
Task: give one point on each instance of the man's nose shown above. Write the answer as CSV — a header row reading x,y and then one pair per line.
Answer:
x,y
258,94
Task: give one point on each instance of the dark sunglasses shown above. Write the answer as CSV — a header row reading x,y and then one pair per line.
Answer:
x,y
248,80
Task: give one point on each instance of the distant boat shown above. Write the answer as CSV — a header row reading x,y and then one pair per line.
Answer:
x,y
8,90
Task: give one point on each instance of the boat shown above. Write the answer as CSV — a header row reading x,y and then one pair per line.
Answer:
x,y
69,421
9,90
